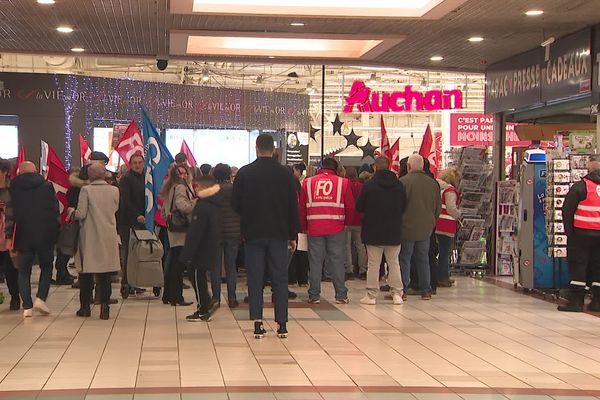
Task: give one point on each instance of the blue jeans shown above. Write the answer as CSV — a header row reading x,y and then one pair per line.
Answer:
x,y
420,249
25,261
444,251
227,254
330,249
260,255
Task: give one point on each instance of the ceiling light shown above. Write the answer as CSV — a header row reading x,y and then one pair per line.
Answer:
x,y
46,1
77,49
65,29
271,57
476,39
534,13
205,76
436,58
297,24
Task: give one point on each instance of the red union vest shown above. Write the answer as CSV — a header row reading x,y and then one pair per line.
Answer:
x,y
325,210
587,214
446,224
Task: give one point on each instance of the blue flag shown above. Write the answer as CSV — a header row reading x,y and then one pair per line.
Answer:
x,y
157,159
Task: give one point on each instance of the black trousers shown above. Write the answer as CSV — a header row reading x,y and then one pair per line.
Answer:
x,y
103,288
60,264
298,272
124,233
173,292
583,256
11,274
197,277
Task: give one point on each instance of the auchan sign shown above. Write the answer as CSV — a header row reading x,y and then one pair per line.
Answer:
x,y
367,100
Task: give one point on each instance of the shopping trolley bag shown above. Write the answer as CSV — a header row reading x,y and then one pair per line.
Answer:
x,y
144,262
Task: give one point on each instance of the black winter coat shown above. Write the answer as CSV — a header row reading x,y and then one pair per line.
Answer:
x,y
578,193
383,201
264,195
203,239
132,198
35,212
229,218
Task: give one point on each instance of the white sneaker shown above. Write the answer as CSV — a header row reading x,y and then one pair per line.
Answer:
x,y
397,299
368,300
28,313
41,306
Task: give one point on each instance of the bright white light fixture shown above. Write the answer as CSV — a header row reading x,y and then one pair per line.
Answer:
x,y
64,29
205,76
297,24
325,8
476,39
534,13
46,1
436,58
77,49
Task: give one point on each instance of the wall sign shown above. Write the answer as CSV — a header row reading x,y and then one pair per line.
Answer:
x,y
478,130
367,100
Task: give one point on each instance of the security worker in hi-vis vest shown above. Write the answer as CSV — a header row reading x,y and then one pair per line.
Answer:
x,y
581,217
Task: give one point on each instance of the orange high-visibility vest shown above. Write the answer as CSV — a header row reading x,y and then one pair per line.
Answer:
x,y
587,214
445,222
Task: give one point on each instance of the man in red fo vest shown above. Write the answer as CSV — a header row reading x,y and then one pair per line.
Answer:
x,y
325,204
581,217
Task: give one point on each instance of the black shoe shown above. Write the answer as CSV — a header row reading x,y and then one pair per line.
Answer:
x,y
259,330
63,282
198,317
15,303
575,300
104,311
282,332
233,304
292,295
182,303
246,300
84,311
137,290
594,306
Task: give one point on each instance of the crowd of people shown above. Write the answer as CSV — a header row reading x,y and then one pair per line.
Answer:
x,y
370,224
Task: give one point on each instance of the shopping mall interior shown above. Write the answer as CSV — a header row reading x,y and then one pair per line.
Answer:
x,y
506,92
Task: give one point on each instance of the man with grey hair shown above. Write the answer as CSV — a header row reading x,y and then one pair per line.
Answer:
x,y
581,217
423,207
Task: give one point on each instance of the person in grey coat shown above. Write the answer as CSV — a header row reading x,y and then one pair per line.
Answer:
x,y
98,247
178,197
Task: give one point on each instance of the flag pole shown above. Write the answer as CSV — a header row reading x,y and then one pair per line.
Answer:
x,y
322,112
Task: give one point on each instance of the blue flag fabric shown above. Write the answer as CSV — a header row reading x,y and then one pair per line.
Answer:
x,y
157,159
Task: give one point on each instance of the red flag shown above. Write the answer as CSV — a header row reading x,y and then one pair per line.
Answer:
x,y
395,157
130,143
385,142
59,177
84,149
428,151
20,160
188,153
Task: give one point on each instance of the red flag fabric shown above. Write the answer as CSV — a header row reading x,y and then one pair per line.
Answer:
x,y
428,151
84,149
130,143
395,157
59,177
190,156
20,160
385,142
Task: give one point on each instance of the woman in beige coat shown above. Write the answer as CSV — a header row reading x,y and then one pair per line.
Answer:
x,y
98,247
177,197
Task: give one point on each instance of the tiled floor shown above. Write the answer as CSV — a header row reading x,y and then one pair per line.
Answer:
x,y
473,341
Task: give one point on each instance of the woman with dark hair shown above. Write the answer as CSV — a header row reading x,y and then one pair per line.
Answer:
x,y
178,198
7,267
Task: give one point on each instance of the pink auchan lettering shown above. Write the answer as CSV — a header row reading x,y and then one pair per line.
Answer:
x,y
367,100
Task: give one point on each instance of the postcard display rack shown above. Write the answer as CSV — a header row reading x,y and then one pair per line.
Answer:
x,y
475,205
507,211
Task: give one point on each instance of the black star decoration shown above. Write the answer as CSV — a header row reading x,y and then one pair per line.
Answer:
x,y
352,139
337,125
313,131
368,149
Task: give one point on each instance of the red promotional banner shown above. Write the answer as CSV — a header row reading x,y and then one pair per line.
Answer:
x,y
478,130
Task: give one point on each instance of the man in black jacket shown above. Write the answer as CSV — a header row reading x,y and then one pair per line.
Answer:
x,y
581,217
131,210
264,195
202,242
383,201
36,216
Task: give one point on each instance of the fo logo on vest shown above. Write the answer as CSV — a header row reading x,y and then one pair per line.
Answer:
x,y
324,188
598,190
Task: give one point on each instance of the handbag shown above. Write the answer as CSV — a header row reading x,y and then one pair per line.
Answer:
x,y
68,238
176,220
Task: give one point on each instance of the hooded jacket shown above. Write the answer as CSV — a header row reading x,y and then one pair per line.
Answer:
x,y
35,212
577,194
383,201
204,234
